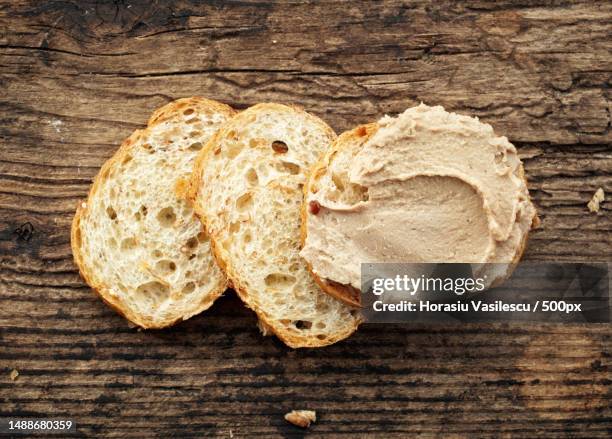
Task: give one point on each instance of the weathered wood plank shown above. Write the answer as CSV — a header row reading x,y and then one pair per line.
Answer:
x,y
78,77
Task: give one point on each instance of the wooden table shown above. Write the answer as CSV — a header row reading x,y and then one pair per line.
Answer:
x,y
77,77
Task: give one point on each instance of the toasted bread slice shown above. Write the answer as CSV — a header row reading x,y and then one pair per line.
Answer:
x,y
344,193
247,187
136,240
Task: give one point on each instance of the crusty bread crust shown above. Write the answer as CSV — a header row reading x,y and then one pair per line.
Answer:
x,y
102,290
361,134
291,338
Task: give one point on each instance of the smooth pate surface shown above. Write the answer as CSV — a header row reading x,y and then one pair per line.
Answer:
x,y
428,186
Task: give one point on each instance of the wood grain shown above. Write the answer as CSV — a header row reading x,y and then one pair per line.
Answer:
x,y
77,77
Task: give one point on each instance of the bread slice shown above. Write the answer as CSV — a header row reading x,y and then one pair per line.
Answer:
x,y
335,182
247,187
136,240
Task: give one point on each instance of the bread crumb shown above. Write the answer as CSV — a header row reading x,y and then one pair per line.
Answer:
x,y
133,325
301,418
597,199
56,124
231,434
14,374
263,328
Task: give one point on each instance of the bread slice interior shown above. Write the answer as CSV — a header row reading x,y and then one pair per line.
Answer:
x,y
247,186
136,240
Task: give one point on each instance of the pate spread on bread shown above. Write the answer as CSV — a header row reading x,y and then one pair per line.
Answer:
x,y
426,186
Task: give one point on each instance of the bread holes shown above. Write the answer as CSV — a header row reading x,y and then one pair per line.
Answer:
x,y
195,146
280,147
337,180
157,254
144,210
128,244
232,149
290,168
244,202
192,243
112,243
234,227
203,237
247,238
153,291
166,217
322,307
251,177
303,324
353,194
320,325
148,148
294,268
192,120
165,267
111,213
188,111
279,280
188,288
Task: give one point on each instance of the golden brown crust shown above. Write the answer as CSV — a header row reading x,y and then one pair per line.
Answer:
x,y
88,276
173,108
292,339
347,293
